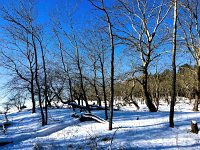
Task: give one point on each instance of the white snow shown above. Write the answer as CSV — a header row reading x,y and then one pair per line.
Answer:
x,y
194,122
132,129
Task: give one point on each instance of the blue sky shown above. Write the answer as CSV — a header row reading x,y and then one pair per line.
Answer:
x,y
46,7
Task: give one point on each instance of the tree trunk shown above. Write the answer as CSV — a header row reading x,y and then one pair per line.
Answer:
x,y
31,62
194,127
45,83
197,94
33,96
104,89
81,79
173,98
79,100
147,96
66,69
97,95
112,66
112,46
49,103
111,87
37,81
157,89
95,85
70,87
84,93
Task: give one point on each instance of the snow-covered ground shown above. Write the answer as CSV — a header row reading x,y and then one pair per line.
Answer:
x,y
131,130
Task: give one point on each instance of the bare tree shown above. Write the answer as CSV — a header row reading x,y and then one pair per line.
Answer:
x,y
19,43
96,46
65,64
36,77
22,18
45,76
145,36
173,99
190,34
17,100
21,72
56,84
93,58
71,35
111,36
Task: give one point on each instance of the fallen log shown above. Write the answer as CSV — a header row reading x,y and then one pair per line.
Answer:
x,y
91,117
91,107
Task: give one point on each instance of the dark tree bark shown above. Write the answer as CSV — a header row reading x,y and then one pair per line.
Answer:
x,y
157,96
45,81
81,80
33,94
147,96
104,87
194,127
95,84
197,93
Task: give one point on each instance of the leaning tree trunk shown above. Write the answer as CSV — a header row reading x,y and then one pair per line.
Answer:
x,y
197,94
37,81
147,96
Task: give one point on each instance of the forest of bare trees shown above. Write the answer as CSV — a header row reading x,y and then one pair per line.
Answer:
x,y
119,50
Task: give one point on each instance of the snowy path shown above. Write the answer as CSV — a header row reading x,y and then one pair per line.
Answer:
x,y
43,132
